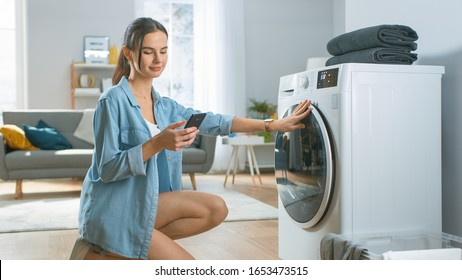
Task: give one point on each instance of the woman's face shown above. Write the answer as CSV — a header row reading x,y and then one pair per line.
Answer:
x,y
154,55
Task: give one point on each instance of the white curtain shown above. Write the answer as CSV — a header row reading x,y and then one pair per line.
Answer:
x,y
220,64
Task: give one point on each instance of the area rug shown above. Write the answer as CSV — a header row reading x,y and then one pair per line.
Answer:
x,y
62,213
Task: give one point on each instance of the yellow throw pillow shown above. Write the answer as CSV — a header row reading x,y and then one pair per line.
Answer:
x,y
16,138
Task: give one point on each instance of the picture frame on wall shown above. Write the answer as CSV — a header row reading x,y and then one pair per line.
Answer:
x,y
96,49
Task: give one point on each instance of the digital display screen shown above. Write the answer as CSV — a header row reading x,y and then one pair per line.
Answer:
x,y
327,78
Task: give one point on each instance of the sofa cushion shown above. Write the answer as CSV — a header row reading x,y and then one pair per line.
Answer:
x,y
46,159
46,137
84,130
16,138
193,156
64,121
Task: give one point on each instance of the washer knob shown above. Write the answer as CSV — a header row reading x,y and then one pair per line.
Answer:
x,y
304,82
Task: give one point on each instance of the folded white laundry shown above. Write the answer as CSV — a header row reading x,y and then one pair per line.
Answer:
x,y
432,254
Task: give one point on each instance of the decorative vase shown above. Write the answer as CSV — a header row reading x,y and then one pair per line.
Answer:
x,y
113,54
87,80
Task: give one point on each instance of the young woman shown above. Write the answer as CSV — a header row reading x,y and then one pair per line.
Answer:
x,y
131,203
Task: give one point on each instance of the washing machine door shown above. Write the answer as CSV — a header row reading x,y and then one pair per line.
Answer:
x,y
304,166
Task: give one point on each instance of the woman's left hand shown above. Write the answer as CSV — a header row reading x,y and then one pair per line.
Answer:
x,y
292,121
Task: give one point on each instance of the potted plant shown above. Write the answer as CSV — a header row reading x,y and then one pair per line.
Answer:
x,y
264,109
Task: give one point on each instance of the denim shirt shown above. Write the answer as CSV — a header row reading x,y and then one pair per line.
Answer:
x,y
120,191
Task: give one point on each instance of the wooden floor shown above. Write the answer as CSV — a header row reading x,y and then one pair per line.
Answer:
x,y
246,240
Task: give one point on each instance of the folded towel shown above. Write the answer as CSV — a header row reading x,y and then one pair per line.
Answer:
x,y
396,36
335,247
433,254
375,55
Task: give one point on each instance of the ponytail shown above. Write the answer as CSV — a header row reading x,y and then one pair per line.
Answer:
x,y
122,69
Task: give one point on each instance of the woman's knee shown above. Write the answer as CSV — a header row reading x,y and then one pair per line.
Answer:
x,y
218,210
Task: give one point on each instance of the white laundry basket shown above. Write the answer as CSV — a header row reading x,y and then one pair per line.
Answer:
x,y
410,245
394,246
430,254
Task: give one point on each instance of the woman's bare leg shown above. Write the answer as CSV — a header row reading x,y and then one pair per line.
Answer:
x,y
182,214
187,213
179,214
164,248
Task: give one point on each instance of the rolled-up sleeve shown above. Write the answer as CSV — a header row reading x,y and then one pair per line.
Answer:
x,y
217,124
213,124
116,159
135,160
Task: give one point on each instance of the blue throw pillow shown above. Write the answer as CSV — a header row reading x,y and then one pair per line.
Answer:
x,y
46,137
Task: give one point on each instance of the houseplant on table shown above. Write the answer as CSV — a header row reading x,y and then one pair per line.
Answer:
x,y
263,110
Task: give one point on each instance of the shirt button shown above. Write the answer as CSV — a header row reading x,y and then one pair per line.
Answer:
x,y
169,158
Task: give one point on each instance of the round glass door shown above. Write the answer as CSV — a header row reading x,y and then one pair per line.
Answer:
x,y
304,166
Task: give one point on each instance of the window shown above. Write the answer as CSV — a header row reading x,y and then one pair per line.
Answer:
x,y
177,80
8,61
207,57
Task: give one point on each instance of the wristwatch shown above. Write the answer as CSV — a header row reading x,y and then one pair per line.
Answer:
x,y
267,122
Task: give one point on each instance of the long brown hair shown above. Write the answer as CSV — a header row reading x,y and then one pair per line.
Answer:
x,y
133,40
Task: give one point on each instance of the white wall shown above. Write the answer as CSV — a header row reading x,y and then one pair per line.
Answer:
x,y
279,37
55,32
438,26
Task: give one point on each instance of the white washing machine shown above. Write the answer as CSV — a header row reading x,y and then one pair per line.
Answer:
x,y
368,160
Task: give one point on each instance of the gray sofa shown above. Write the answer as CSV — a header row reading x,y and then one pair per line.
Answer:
x,y
74,163
198,158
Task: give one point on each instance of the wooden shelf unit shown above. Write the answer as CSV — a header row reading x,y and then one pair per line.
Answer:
x,y
82,98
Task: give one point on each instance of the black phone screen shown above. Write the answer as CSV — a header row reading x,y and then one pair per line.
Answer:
x,y
195,120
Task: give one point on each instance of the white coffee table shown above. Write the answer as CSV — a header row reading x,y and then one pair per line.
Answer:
x,y
248,142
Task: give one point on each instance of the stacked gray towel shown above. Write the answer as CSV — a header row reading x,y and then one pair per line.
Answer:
x,y
385,44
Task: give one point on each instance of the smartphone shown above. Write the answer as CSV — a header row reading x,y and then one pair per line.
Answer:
x,y
195,120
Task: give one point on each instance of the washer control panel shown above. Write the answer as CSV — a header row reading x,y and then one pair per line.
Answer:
x,y
309,82
327,78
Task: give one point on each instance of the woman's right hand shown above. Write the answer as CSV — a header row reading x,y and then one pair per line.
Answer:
x,y
174,139
170,138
